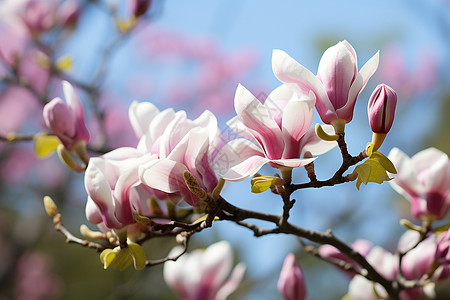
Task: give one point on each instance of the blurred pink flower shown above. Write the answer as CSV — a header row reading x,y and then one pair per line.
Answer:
x,y
363,247
337,84
39,15
67,120
204,274
291,283
68,13
17,106
408,82
424,180
34,278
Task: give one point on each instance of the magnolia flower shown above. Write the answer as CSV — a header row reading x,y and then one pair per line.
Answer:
x,y
67,120
381,108
203,274
39,15
415,264
363,247
277,132
139,7
111,182
386,264
443,248
337,83
69,12
424,180
292,283
183,146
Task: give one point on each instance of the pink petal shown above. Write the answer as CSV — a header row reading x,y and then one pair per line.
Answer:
x,y
405,181
167,176
239,159
313,144
232,282
141,115
297,119
337,70
278,99
99,190
287,70
257,118
346,112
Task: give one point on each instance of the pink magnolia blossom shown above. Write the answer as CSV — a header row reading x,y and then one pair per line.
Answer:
x,y
111,182
443,248
416,263
39,15
138,7
181,145
66,120
424,180
35,278
386,264
277,132
381,108
337,84
363,247
68,13
204,274
292,283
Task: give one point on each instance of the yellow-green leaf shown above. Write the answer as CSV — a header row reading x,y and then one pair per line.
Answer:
x,y
107,257
138,255
203,218
346,297
44,145
371,171
441,229
369,149
384,161
123,259
262,183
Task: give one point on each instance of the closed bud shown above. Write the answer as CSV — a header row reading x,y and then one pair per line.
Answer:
x,y
291,284
139,7
50,206
381,108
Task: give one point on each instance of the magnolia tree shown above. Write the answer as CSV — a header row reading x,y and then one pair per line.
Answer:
x,y
169,184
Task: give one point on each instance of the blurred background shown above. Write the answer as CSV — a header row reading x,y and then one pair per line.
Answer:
x,y
191,55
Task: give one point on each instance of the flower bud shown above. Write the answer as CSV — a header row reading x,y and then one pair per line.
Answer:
x,y
139,7
69,13
381,108
66,120
291,283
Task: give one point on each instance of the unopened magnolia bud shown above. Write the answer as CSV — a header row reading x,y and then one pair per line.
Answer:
x,y
86,232
69,13
381,108
139,7
50,206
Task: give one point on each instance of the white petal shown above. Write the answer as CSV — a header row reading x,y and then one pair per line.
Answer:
x,y
361,79
287,70
405,181
232,283
141,115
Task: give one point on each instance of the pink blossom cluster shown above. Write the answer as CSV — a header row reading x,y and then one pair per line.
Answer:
x,y
278,133
427,262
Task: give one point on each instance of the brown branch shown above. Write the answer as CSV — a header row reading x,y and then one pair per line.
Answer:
x,y
70,238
